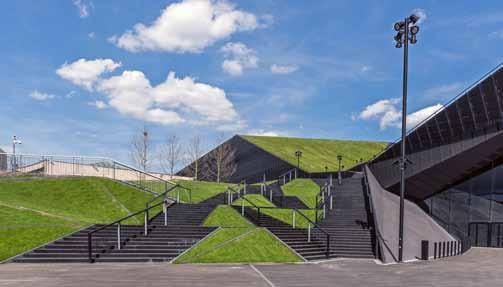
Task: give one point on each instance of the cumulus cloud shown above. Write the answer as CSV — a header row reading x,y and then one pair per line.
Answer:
x,y
283,69
40,96
86,73
83,7
174,101
389,114
187,26
239,57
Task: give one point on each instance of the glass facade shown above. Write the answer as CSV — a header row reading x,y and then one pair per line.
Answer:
x,y
472,209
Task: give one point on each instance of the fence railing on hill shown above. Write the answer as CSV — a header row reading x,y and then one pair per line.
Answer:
x,y
52,165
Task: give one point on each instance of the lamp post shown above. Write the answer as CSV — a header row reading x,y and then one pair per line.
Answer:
x,y
339,176
406,32
298,154
15,141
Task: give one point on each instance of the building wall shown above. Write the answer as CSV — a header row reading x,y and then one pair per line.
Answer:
x,y
479,199
248,161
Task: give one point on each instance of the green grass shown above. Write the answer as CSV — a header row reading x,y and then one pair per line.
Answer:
x,y
318,153
257,199
37,210
200,190
305,189
239,245
286,215
22,230
226,216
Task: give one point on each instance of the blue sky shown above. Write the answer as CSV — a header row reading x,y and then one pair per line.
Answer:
x,y
81,77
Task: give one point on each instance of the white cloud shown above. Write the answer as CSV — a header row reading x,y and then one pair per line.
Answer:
x,y
389,114
417,117
174,101
444,92
239,58
39,96
86,73
100,105
187,26
91,35
261,132
421,13
71,94
283,69
84,8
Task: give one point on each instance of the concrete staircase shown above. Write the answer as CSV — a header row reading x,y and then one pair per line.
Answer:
x,y
348,222
163,243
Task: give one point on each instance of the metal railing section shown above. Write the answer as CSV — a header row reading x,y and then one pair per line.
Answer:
x,y
118,223
287,176
312,225
53,165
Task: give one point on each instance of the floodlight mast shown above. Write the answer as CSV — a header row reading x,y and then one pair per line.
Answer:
x,y
406,32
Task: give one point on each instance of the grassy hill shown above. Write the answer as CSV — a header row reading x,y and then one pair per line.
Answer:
x,y
34,211
318,153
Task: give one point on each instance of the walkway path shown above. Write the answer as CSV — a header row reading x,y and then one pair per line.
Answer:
x,y
479,267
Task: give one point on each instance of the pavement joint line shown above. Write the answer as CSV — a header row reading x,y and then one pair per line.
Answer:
x,y
262,276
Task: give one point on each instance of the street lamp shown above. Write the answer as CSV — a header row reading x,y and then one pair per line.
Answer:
x,y
298,154
339,176
406,32
15,141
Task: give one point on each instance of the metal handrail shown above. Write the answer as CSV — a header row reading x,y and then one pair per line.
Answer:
x,y
118,223
315,225
444,106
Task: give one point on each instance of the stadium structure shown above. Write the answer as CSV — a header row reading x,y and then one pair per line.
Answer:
x,y
454,192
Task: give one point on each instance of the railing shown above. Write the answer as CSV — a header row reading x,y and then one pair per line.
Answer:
x,y
493,235
312,225
443,249
287,176
322,197
118,223
53,165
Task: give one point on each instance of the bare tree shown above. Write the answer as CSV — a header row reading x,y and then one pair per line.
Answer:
x,y
140,149
194,152
171,154
222,164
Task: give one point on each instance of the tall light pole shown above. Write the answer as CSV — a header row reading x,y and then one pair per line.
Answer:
x,y
15,141
339,176
298,154
406,31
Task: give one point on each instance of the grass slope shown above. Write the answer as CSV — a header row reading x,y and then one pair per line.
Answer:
x,y
201,190
318,153
239,245
34,211
305,189
226,216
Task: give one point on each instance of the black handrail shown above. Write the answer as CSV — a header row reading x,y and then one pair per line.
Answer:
x,y
90,233
315,225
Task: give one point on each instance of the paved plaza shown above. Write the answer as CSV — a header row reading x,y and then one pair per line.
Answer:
x,y
478,267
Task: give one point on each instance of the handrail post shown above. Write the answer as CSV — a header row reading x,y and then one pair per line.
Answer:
x,y
118,236
178,196
293,218
331,202
295,173
145,221
165,207
244,187
309,232
90,247
328,245
270,195
242,207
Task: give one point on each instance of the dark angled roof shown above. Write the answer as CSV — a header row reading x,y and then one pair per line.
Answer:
x,y
455,143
